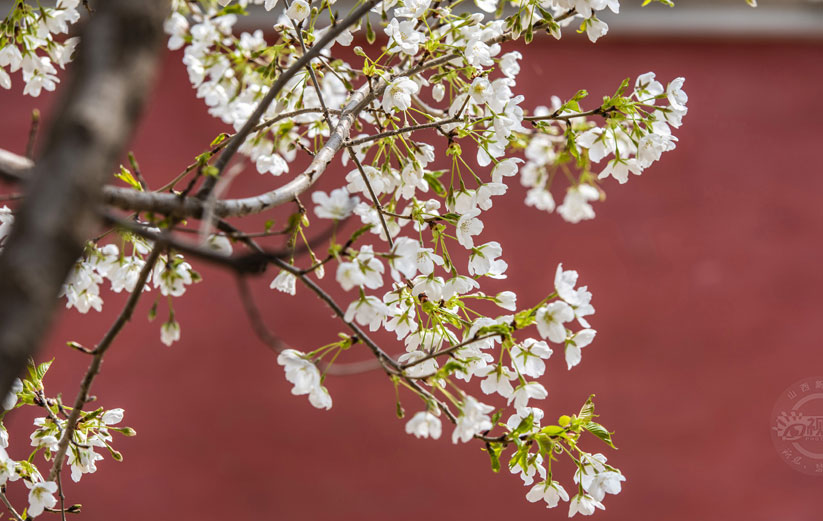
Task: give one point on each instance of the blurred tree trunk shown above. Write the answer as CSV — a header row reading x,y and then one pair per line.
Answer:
x,y
110,80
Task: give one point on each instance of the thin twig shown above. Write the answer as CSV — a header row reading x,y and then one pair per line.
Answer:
x,y
10,508
35,123
277,345
94,367
374,198
402,130
298,28
449,350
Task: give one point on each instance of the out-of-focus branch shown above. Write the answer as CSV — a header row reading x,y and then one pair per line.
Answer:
x,y
116,61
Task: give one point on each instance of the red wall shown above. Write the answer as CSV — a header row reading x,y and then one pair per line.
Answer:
x,y
706,279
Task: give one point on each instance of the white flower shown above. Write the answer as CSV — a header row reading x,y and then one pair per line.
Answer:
x,y
525,392
474,419
305,378
82,461
458,285
125,274
398,94
497,380
483,257
298,10
320,398
170,332
651,147
438,92
299,372
479,54
349,275
599,143
489,6
379,183
402,317
550,492
171,276
677,97
620,168
528,356
564,283
412,9
528,468
404,36
506,300
540,198
424,424
285,281
597,478
481,90
506,168
482,198
550,320
7,467
577,342
596,28
220,244
11,399
364,270
176,26
509,65
11,57
113,416
272,163
368,310
467,226
584,504
41,496
646,88
576,207
337,205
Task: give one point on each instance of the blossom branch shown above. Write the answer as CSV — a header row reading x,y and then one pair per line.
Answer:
x,y
94,367
234,145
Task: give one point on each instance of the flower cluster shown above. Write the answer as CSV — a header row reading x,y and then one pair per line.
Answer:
x,y
28,43
93,431
171,275
431,131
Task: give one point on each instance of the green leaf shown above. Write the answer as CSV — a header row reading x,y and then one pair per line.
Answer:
x,y
587,411
219,139
601,432
435,184
126,176
553,430
370,36
494,449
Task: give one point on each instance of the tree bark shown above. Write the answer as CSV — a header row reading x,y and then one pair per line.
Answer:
x,y
111,78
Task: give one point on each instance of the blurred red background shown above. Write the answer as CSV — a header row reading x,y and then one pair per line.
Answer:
x,y
706,278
